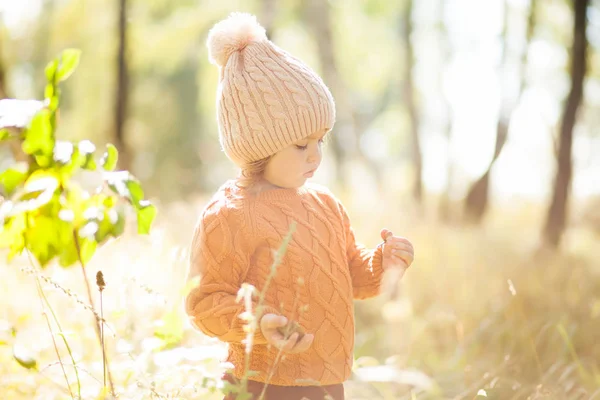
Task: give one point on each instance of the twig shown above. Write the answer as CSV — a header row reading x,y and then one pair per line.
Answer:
x,y
91,299
279,353
101,285
76,367
276,261
45,314
86,306
45,299
69,293
58,385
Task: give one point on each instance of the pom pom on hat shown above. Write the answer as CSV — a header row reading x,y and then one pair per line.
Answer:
x,y
233,34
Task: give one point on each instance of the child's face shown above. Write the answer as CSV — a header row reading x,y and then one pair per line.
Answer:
x,y
292,166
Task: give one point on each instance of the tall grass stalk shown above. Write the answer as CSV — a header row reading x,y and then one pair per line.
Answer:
x,y
254,319
96,319
46,305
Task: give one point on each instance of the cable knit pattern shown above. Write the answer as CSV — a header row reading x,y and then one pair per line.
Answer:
x,y
266,98
322,271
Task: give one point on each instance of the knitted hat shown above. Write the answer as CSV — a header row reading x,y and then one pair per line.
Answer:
x,y
267,99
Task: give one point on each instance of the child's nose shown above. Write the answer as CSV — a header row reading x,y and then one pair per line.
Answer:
x,y
314,156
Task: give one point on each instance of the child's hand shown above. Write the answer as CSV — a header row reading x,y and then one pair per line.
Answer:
x,y
269,325
397,251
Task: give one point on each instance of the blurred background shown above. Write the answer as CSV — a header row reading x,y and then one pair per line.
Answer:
x,y
470,127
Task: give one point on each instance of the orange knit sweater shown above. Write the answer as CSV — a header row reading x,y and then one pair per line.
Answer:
x,y
321,273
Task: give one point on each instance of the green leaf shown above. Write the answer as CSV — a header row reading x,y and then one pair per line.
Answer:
x,y
87,149
43,160
119,225
111,223
105,228
53,98
68,251
49,94
39,189
125,185
109,201
87,247
41,237
145,217
116,182
69,61
75,161
170,328
24,357
136,192
39,137
51,69
90,163
4,134
110,158
12,234
13,177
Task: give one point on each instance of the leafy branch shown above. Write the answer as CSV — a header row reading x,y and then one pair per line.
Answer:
x,y
44,210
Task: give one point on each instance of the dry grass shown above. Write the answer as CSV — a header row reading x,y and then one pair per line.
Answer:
x,y
479,309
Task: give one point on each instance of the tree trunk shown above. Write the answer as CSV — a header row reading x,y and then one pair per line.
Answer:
x,y
3,85
268,13
477,199
317,15
478,196
557,212
409,99
445,212
122,89
345,143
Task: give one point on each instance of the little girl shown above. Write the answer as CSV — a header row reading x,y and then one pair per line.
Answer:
x,y
273,115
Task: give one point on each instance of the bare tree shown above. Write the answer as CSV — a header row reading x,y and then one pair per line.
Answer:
x,y
122,89
557,212
409,99
444,205
268,12
3,90
477,198
351,122
317,15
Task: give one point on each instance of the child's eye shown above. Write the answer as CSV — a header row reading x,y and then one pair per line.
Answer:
x,y
301,147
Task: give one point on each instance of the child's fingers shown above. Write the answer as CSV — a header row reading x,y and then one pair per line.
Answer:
x,y
401,246
288,345
404,256
399,241
385,233
304,343
272,321
278,340
390,250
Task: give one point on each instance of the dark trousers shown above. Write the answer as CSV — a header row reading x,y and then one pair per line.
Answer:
x,y
276,392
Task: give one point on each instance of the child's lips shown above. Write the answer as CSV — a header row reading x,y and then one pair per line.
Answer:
x,y
309,174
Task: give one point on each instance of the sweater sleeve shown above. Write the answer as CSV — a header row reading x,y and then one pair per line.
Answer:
x,y
220,256
365,264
